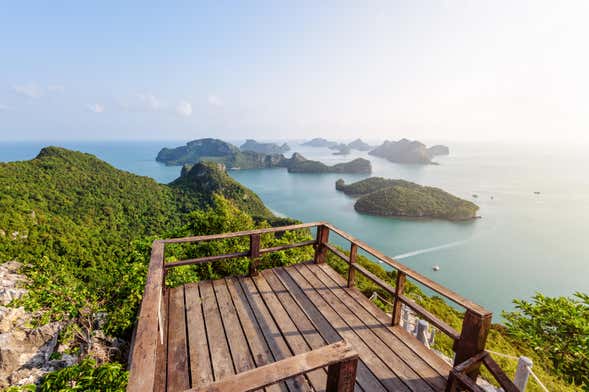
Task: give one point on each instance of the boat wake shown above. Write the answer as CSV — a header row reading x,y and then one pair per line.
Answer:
x,y
429,250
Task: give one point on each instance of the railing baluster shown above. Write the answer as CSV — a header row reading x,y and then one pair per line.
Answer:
x,y
341,376
254,253
399,291
322,239
351,269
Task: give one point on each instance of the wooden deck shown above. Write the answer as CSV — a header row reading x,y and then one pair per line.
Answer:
x,y
301,327
218,328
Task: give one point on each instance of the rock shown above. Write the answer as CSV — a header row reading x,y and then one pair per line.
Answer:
x,y
24,350
403,151
438,149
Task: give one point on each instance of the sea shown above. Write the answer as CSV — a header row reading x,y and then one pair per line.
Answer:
x,y
533,234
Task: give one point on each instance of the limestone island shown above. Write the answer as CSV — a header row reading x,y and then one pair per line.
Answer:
x,y
405,199
264,148
341,149
320,142
218,151
359,145
408,151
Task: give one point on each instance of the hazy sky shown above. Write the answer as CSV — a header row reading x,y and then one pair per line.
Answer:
x,y
450,70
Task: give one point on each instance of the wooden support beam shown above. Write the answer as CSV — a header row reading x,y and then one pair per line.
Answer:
x,y
320,246
351,270
473,338
260,377
341,376
254,253
399,291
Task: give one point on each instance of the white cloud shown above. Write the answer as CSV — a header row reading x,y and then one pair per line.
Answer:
x,y
3,108
215,100
31,90
149,102
143,103
184,109
95,107
57,88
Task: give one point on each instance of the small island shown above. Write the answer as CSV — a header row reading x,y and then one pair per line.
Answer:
x,y
320,142
404,199
408,151
341,149
264,148
359,145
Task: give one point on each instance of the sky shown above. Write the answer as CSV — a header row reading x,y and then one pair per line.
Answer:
x,y
442,70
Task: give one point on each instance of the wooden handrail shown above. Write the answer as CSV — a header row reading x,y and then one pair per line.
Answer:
x,y
339,357
246,233
148,335
444,291
459,378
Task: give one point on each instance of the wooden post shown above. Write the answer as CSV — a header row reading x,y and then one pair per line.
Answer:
x,y
351,269
341,376
473,338
399,290
322,239
522,373
254,253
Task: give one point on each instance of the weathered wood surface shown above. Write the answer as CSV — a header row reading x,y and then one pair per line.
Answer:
x,y
237,325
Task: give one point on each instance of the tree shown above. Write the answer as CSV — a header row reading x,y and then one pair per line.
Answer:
x,y
557,328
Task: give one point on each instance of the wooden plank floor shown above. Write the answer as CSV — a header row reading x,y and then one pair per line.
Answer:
x,y
227,326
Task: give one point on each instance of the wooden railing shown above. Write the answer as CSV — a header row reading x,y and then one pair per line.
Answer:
x,y
148,354
458,379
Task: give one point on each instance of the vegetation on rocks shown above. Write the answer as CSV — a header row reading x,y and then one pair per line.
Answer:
x,y
359,165
399,198
264,148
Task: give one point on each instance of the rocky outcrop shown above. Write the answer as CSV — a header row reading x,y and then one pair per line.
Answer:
x,y
25,350
28,351
342,149
357,166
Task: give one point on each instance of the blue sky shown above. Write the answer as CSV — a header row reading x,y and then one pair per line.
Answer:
x,y
447,70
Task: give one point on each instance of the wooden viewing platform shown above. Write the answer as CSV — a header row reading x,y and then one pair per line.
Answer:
x,y
300,327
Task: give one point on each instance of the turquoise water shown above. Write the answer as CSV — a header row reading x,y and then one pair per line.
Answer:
x,y
524,242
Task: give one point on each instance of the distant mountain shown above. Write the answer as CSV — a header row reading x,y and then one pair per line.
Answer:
x,y
400,198
342,149
359,145
403,151
320,142
264,148
438,149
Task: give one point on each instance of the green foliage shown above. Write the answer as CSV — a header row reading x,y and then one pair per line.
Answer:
x,y
86,376
369,185
358,165
197,185
556,329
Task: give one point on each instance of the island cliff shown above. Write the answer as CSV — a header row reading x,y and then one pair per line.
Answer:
x,y
400,198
